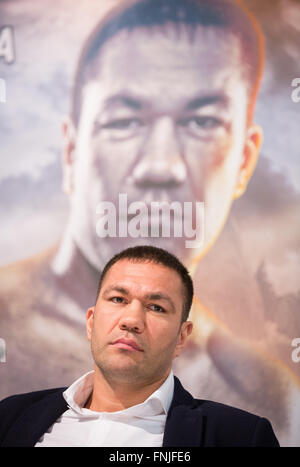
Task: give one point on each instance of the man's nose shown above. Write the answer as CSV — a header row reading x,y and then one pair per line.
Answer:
x,y
160,162
132,318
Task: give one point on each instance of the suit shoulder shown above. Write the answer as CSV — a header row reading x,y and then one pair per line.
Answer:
x,y
12,406
29,396
231,424
220,410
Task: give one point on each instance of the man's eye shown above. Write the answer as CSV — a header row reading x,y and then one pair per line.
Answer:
x,y
155,307
197,125
122,124
117,299
120,128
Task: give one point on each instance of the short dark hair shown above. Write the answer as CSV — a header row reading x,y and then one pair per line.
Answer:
x,y
151,254
131,14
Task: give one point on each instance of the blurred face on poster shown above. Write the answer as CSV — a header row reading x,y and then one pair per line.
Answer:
x,y
163,118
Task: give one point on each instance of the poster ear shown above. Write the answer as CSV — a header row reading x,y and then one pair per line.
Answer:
x,y
68,146
252,146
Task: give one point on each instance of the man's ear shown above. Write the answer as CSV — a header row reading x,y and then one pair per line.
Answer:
x,y
185,331
89,322
252,146
68,147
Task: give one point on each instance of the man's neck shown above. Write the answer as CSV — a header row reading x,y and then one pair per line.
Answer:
x,y
68,266
109,396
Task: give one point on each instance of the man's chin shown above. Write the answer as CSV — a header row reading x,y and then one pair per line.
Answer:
x,y
123,372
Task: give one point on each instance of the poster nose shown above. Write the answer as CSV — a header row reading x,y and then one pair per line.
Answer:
x,y
160,159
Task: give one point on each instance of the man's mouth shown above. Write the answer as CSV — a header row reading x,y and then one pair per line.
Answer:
x,y
127,344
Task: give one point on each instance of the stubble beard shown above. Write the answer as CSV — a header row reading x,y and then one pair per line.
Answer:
x,y
130,373
114,371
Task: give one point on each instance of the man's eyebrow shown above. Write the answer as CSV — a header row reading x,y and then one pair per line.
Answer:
x,y
203,101
124,100
115,288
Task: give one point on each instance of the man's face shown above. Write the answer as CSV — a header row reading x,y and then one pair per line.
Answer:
x,y
163,118
141,304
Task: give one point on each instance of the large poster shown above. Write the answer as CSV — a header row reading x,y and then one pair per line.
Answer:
x,y
165,122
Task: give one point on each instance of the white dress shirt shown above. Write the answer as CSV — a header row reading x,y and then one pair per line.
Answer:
x,y
140,425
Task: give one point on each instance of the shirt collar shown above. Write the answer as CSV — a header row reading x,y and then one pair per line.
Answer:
x,y
157,403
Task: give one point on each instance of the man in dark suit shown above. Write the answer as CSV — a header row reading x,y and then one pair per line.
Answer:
x,y
138,325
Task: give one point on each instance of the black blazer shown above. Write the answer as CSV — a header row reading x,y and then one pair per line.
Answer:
x,y
24,418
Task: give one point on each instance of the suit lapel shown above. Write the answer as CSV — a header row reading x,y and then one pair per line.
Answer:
x,y
36,420
184,425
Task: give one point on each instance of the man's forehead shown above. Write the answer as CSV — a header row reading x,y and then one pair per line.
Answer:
x,y
127,267
160,50
167,65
